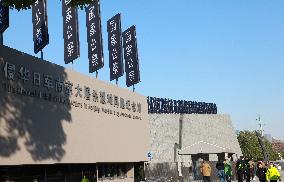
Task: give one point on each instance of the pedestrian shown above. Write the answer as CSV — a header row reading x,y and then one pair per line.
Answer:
x,y
220,167
228,170
261,172
272,173
251,169
205,170
240,169
247,170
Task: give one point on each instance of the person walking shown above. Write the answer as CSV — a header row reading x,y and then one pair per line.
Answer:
x,y
205,170
261,172
272,173
251,169
247,170
220,167
240,169
228,170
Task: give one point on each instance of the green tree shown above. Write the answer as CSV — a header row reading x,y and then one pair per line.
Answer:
x,y
251,148
27,4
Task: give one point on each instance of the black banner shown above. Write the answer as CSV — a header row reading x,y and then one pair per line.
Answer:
x,y
4,17
70,32
94,36
115,47
170,106
131,56
40,28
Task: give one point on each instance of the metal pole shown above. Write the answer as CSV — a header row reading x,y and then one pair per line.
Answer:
x,y
1,38
180,131
97,73
133,88
41,54
116,81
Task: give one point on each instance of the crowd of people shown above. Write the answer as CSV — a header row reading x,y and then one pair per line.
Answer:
x,y
246,170
265,171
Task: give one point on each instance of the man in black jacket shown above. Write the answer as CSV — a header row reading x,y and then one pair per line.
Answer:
x,y
240,166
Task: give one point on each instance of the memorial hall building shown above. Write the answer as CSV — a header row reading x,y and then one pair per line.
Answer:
x,y
59,125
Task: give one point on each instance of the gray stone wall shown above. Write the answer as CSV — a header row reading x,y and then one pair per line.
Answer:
x,y
211,128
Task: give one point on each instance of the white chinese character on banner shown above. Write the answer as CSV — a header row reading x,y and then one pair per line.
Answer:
x,y
67,1
37,16
36,3
69,31
130,63
131,76
91,13
68,15
92,29
95,59
113,41
70,48
39,35
114,54
113,25
115,68
93,44
128,50
128,37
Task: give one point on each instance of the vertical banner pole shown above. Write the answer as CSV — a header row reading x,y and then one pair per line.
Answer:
x,y
116,81
41,54
1,38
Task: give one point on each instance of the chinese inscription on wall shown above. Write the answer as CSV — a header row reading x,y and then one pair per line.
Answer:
x,y
53,88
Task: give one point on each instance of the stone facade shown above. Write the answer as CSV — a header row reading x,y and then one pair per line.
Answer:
x,y
216,130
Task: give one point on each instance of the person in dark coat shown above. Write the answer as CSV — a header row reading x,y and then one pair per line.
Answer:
x,y
261,172
247,170
240,166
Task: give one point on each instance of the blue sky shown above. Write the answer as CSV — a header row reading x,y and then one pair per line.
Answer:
x,y
223,51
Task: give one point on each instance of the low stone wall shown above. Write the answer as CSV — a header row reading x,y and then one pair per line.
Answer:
x,y
211,128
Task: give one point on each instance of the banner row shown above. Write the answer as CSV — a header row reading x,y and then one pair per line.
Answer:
x,y
120,44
